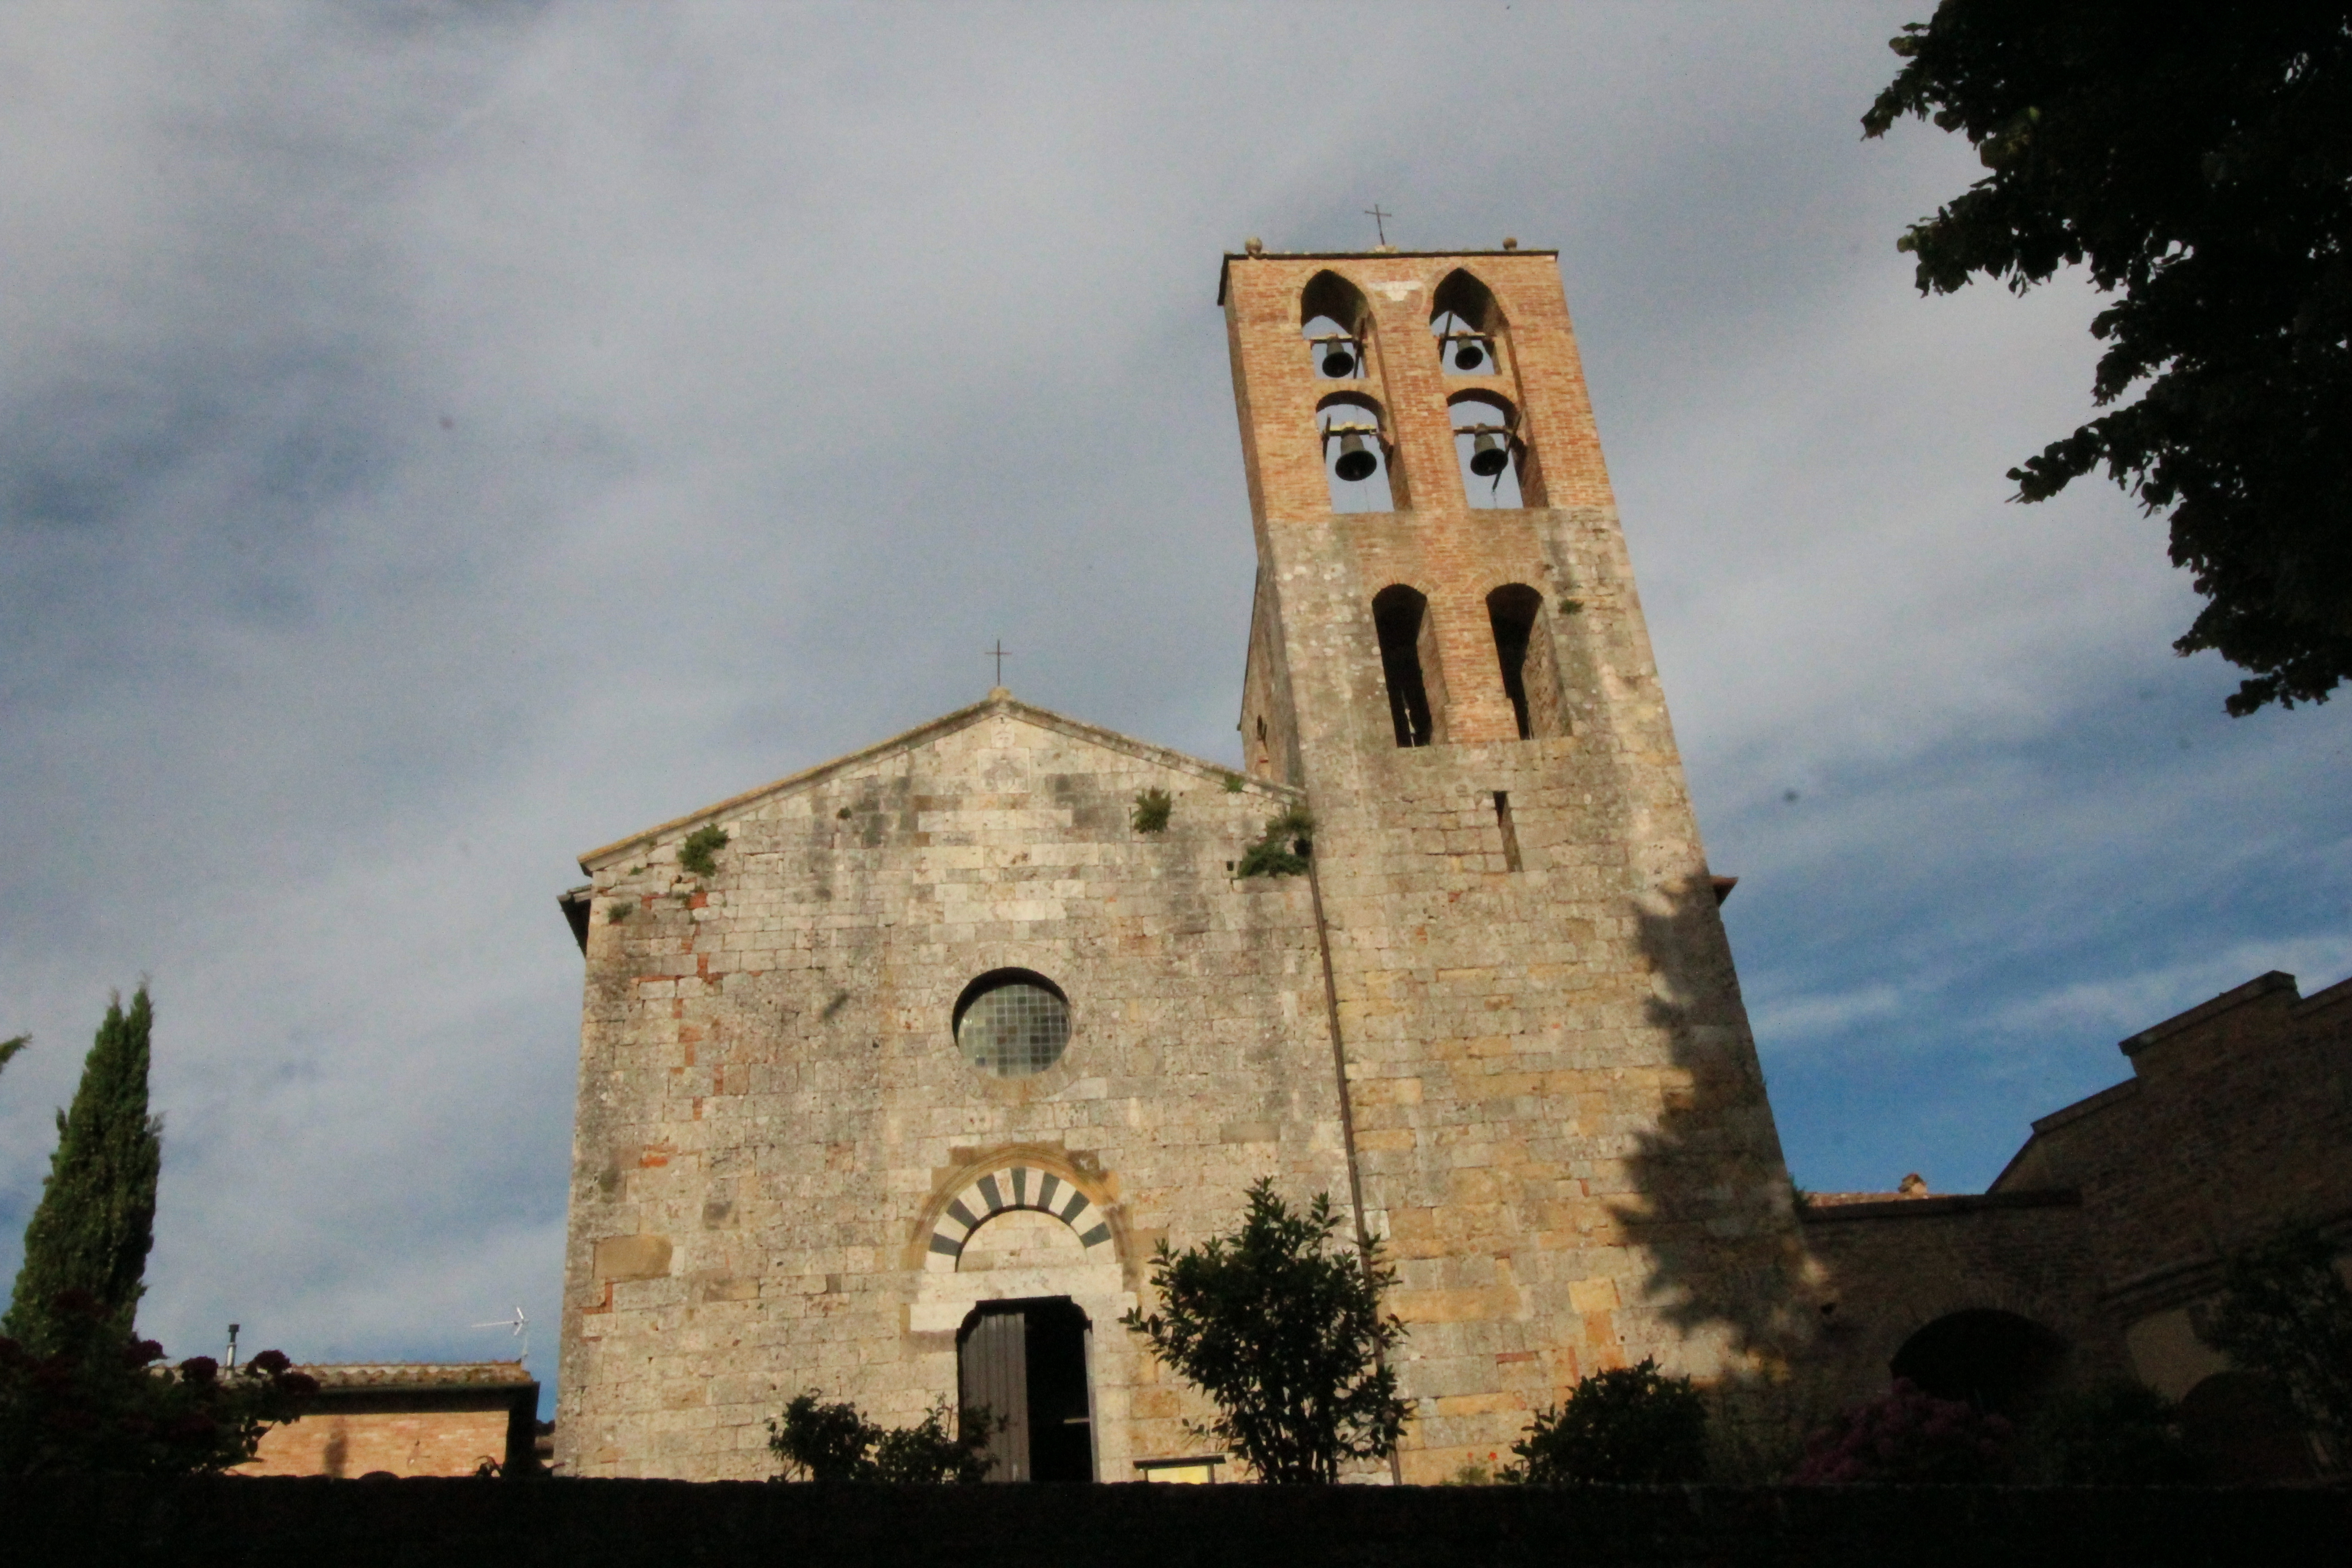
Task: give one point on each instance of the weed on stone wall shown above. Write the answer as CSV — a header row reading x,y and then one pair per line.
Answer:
x,y
698,853
1283,849
1151,811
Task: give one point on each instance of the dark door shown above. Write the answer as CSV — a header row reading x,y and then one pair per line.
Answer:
x,y
1025,1361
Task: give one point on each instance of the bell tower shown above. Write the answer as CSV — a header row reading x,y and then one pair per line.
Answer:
x,y
1556,1118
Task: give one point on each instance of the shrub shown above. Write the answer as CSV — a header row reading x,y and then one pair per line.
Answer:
x,y
99,1401
1151,811
2285,1312
1285,1336
2119,1434
833,1441
697,853
1906,1435
1283,850
1629,1424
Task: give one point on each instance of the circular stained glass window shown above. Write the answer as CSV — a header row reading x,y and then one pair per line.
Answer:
x,y
1012,1024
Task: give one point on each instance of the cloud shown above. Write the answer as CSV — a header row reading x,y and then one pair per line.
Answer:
x,y
439,439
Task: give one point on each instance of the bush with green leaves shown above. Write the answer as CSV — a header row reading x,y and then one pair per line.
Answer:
x,y
1285,1335
2285,1312
700,853
96,1398
1626,1425
1152,809
1907,1436
2117,1433
1283,849
824,1440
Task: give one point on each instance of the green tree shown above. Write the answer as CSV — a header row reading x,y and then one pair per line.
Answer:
x,y
2286,1312
1285,1336
9,1048
2198,164
96,1219
1625,1425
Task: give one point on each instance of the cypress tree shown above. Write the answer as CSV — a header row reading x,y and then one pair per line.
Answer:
x,y
97,1214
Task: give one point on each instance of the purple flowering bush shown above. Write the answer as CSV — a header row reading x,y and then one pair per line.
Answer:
x,y
101,1400
1908,1434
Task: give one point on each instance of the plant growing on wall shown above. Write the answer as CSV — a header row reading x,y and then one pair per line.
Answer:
x,y
1285,1335
1625,1425
822,1440
2286,1312
1282,850
1151,811
698,853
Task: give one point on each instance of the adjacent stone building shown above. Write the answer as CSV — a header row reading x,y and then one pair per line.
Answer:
x,y
407,1419
893,1094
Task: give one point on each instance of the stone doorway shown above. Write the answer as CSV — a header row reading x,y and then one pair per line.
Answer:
x,y
1025,1361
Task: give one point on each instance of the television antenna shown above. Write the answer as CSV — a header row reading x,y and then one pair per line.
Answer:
x,y
519,1326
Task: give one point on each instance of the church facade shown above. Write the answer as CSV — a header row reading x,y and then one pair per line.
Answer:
x,y
894,1072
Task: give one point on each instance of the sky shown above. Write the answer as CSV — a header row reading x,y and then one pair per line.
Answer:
x,y
438,440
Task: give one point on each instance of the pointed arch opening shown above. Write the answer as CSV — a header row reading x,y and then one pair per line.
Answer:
x,y
1358,457
1408,665
1523,646
1467,324
1336,321
1486,444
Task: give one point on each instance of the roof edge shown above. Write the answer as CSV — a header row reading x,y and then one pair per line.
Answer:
x,y
1225,266
998,703
2254,990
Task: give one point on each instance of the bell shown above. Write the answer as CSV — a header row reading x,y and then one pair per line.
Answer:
x,y
1338,363
1355,463
1489,456
1468,354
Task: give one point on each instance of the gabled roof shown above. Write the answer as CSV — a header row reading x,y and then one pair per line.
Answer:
x,y
998,703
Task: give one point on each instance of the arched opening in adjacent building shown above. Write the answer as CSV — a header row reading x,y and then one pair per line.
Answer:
x,y
1337,324
2242,1427
1467,325
1021,1368
1409,664
1356,453
1486,444
1523,646
1999,1362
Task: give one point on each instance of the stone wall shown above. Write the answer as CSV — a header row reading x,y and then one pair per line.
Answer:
x,y
590,1525
774,1115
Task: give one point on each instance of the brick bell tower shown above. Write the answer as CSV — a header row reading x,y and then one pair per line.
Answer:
x,y
1555,1113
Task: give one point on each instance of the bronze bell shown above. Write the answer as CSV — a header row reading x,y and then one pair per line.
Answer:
x,y
1489,456
1338,363
1355,463
1468,354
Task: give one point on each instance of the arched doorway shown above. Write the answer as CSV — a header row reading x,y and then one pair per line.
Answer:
x,y
1025,1363
2243,1428
1996,1361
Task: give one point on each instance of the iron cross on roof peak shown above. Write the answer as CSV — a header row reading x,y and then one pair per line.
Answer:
x,y
1380,217
997,653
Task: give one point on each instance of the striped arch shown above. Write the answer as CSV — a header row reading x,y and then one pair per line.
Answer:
x,y
1019,1187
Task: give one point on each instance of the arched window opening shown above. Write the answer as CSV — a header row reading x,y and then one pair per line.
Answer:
x,y
1997,1362
1335,322
1356,455
1469,326
1408,665
1485,440
1530,672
